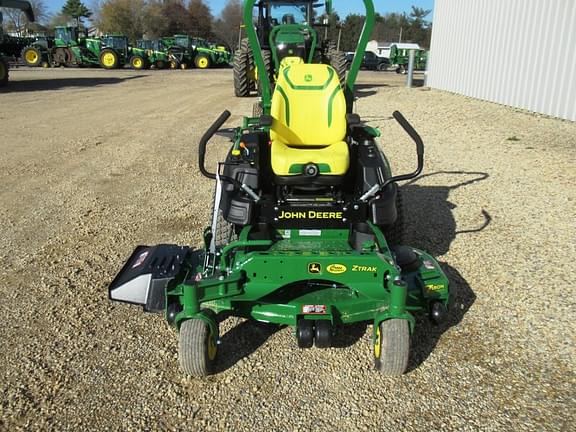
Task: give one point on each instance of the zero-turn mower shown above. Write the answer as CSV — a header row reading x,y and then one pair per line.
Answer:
x,y
305,232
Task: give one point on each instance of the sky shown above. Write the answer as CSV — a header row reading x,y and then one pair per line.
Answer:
x,y
343,7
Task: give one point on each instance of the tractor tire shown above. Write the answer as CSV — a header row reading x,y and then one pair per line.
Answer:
x,y
62,56
202,61
109,59
198,348
32,56
241,71
382,67
392,347
3,72
338,61
267,57
138,63
175,57
395,233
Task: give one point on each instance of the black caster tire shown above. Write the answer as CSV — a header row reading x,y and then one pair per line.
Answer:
x,y
305,333
323,334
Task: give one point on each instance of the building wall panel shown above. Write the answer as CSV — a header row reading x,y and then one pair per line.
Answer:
x,y
520,53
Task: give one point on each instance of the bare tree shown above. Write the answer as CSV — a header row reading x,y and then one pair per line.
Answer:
x,y
200,18
228,25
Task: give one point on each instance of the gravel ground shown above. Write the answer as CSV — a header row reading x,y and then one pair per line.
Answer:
x,y
95,162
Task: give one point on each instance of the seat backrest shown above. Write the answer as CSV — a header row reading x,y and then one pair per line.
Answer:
x,y
308,106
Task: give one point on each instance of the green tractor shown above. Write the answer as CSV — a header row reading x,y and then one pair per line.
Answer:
x,y
284,29
7,44
115,51
181,52
71,48
67,49
306,228
210,55
148,52
400,56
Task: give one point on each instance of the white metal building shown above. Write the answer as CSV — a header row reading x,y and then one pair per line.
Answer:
x,y
382,49
520,53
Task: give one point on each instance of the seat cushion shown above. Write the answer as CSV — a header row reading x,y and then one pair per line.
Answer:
x,y
309,121
308,106
332,159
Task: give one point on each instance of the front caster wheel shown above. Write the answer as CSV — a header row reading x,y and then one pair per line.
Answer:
x,y
392,346
197,353
323,334
305,333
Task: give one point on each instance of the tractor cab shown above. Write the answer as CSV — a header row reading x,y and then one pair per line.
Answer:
x,y
66,36
285,28
118,43
183,41
199,43
150,44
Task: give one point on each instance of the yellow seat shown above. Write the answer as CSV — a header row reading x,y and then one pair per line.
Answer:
x,y
309,121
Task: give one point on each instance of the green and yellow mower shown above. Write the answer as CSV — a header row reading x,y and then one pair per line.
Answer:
x,y
306,228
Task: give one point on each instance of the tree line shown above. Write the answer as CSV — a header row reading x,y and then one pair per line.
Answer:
x,y
157,18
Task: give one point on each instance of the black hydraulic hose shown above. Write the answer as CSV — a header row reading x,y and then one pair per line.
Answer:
x,y
419,145
204,140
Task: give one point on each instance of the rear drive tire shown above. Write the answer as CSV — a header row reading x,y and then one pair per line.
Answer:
x,y
392,347
225,232
198,348
395,233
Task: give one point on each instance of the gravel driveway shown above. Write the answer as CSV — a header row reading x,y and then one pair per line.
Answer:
x,y
95,162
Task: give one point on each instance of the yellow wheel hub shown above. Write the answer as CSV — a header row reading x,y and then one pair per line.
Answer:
x,y
31,56
377,343
109,59
203,63
137,63
212,347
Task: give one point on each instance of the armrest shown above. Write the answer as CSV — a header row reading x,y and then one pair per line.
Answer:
x,y
353,120
266,120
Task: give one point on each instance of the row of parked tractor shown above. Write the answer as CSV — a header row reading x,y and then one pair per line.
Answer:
x,y
69,47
